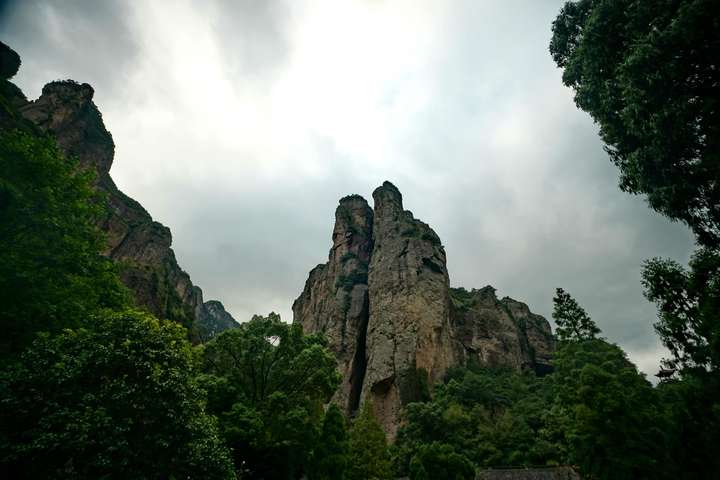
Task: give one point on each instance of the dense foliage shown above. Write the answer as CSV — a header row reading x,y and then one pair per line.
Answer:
x,y
688,307
368,455
489,417
51,273
330,456
646,70
267,383
609,413
647,73
118,400
595,411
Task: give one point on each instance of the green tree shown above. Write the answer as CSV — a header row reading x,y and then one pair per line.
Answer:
x,y
267,383
688,307
52,275
438,460
330,456
609,413
117,400
369,455
691,410
571,320
646,71
492,417
688,303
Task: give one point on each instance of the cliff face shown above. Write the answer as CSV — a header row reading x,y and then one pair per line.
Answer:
x,y
408,337
499,333
138,244
385,304
335,299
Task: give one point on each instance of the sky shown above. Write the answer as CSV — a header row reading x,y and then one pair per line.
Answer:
x,y
239,124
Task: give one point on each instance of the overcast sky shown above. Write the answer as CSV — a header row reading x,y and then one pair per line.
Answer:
x,y
239,124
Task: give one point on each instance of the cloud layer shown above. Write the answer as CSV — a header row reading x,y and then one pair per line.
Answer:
x,y
240,125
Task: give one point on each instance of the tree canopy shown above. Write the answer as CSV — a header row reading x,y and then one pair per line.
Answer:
x,y
267,383
368,456
118,400
647,72
52,275
571,320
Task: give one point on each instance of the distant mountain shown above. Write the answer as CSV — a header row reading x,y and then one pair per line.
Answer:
x,y
384,301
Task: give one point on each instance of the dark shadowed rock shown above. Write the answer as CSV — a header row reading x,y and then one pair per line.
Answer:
x,y
212,319
9,62
11,97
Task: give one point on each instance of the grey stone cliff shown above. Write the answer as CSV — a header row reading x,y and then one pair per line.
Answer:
x,y
385,304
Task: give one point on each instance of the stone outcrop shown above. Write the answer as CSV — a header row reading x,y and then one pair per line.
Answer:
x,y
140,245
384,302
212,319
408,335
499,333
335,299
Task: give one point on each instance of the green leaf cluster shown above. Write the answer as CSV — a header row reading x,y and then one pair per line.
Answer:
x,y
490,418
117,399
369,457
267,383
52,275
646,71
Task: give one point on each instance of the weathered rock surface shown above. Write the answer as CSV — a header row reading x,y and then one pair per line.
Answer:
x,y
138,244
499,333
408,335
384,302
212,319
335,299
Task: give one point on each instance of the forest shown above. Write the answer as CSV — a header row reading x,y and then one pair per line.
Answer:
x,y
94,386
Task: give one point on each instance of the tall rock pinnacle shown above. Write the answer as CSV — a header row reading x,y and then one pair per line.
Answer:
x,y
384,302
408,338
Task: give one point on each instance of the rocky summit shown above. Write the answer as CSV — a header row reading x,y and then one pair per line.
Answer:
x,y
385,304
137,243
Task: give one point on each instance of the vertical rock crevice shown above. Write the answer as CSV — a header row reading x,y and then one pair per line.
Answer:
x,y
335,298
359,363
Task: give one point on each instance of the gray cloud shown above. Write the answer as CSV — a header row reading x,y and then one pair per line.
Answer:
x,y
85,40
240,125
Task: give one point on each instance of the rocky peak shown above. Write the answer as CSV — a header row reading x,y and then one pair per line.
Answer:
x,y
384,302
212,319
388,201
66,110
352,233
